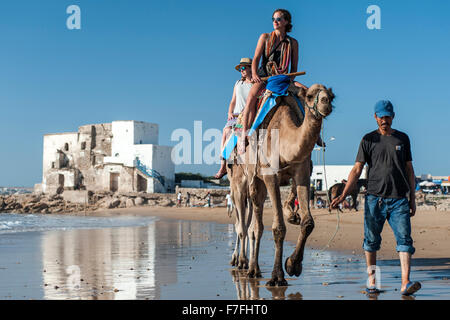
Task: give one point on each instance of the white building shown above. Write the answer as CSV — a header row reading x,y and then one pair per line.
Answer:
x,y
119,156
334,174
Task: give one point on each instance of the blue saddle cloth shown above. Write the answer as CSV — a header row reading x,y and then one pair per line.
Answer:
x,y
278,85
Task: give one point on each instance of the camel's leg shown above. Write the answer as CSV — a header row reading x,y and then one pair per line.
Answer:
x,y
258,193
288,207
248,223
252,239
278,230
235,255
241,204
293,264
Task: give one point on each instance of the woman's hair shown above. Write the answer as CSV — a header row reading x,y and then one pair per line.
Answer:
x,y
250,77
287,17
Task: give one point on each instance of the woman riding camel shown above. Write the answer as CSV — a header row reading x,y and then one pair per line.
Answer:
x,y
240,92
278,51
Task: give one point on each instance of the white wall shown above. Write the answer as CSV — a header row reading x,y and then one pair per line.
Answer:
x,y
162,162
53,142
129,134
121,143
145,133
334,174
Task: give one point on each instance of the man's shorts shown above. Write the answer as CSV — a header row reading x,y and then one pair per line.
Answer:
x,y
396,211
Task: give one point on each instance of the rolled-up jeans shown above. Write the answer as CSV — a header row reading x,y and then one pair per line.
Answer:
x,y
396,211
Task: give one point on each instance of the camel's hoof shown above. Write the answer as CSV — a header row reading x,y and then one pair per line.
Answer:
x,y
254,273
233,261
294,218
276,283
243,264
292,268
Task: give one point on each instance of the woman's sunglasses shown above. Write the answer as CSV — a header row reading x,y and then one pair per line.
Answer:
x,y
242,68
277,19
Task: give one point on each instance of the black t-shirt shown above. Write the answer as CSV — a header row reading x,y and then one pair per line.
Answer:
x,y
386,157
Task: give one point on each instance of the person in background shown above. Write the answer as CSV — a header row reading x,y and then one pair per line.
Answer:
x,y
229,204
312,194
208,199
179,199
188,199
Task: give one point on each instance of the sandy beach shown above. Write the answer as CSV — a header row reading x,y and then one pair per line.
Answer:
x,y
430,229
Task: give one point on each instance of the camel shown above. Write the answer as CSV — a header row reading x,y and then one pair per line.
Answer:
x,y
256,180
337,189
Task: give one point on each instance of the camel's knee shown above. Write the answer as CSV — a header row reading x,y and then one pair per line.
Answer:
x,y
307,226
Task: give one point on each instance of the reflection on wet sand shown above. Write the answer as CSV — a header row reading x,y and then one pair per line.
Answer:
x,y
114,263
176,259
248,288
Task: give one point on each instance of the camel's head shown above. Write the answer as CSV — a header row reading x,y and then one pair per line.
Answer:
x,y
318,99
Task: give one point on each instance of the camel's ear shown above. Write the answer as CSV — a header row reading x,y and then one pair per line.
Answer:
x,y
302,93
330,94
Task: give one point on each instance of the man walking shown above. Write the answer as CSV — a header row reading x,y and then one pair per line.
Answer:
x,y
390,179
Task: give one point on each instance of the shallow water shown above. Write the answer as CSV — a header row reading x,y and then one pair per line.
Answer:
x,y
154,258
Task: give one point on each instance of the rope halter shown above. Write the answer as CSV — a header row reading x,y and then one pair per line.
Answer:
x,y
317,114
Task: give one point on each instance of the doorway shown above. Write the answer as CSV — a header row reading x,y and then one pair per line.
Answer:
x,y
141,183
114,181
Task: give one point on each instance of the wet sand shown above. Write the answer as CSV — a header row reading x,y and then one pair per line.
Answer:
x,y
184,253
430,229
181,259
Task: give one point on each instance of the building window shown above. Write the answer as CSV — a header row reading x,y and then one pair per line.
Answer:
x,y
83,145
116,155
66,147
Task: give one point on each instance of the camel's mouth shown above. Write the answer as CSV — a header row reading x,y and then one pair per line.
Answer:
x,y
326,111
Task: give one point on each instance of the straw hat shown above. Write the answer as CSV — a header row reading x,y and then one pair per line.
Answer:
x,y
244,62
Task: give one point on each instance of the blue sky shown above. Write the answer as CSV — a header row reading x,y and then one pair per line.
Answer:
x,y
172,62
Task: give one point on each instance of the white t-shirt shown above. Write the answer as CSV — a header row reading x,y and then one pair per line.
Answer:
x,y
242,90
179,196
229,202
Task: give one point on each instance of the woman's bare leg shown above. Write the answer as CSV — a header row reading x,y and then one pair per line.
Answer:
x,y
223,170
249,113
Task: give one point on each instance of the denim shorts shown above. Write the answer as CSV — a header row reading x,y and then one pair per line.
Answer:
x,y
396,211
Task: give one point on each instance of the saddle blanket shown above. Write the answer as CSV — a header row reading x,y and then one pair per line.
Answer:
x,y
276,86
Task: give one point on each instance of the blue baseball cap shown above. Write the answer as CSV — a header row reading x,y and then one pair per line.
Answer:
x,y
384,108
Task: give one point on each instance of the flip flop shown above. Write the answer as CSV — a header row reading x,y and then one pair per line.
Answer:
x,y
411,288
372,290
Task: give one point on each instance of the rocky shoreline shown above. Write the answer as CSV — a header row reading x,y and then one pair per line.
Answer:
x,y
92,201
58,203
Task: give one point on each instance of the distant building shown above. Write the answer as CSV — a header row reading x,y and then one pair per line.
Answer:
x,y
334,174
120,156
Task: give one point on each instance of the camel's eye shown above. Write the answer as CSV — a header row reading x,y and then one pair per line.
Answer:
x,y
309,96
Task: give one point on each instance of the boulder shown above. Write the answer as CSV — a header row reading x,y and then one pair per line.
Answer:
x,y
114,203
130,203
38,207
139,201
166,203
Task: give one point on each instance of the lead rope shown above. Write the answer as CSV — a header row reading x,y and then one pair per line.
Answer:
x,y
328,196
